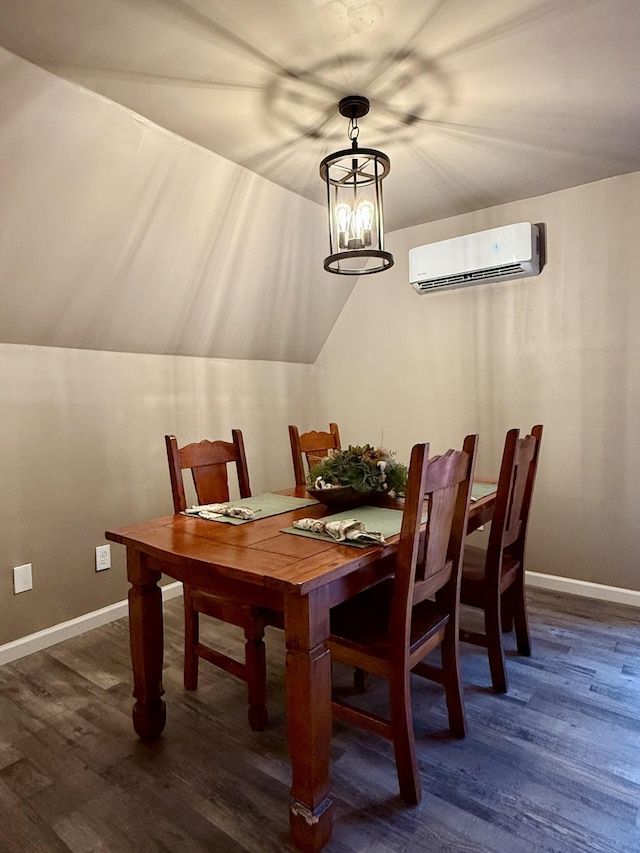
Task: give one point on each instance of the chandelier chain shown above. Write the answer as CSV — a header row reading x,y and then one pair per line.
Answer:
x,y
354,130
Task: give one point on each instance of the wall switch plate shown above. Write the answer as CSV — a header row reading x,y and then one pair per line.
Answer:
x,y
103,557
22,578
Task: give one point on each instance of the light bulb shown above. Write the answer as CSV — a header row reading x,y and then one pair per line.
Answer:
x,y
343,215
365,215
364,220
343,218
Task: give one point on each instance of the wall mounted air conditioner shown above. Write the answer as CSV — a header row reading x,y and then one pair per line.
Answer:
x,y
499,254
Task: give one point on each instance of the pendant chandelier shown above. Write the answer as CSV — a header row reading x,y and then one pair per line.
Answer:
x,y
354,198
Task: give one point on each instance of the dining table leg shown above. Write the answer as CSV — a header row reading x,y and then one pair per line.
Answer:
x,y
308,673
146,636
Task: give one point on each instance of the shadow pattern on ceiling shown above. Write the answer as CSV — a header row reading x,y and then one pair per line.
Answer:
x,y
476,103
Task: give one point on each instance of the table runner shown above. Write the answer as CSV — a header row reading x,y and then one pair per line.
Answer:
x,y
481,490
264,506
381,519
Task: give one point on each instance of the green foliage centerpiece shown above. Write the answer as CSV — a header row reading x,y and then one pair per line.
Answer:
x,y
349,477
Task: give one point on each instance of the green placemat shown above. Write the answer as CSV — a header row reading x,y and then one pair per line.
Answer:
x,y
480,490
264,506
375,518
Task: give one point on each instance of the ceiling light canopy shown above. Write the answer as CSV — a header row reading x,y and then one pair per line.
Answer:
x,y
354,198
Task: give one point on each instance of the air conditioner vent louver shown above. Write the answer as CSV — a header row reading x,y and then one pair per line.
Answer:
x,y
476,275
509,252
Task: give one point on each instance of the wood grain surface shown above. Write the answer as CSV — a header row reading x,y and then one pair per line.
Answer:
x,y
553,765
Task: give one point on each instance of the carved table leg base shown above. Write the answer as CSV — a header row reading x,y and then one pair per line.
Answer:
x,y
258,719
311,830
149,720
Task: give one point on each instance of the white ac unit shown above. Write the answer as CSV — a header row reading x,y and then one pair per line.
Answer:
x,y
499,254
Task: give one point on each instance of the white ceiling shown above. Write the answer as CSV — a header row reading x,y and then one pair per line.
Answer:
x,y
477,102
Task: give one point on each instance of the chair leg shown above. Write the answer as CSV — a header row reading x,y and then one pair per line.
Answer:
x,y
523,638
493,630
191,639
256,674
452,681
360,680
404,739
506,614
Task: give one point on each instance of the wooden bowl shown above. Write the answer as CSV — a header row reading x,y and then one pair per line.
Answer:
x,y
340,497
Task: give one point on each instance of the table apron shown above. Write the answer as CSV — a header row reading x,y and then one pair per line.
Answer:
x,y
210,580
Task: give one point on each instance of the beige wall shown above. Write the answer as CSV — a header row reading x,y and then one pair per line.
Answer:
x,y
561,349
82,437
118,235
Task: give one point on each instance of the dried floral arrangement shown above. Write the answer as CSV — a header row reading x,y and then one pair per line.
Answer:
x,y
364,468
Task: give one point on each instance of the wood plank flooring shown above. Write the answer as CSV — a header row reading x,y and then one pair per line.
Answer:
x,y
554,765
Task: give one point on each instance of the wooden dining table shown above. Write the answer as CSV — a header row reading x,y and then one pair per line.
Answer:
x,y
300,577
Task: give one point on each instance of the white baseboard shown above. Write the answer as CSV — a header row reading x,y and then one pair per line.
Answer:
x,y
65,630
587,589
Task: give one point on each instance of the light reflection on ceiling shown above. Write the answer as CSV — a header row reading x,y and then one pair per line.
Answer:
x,y
477,102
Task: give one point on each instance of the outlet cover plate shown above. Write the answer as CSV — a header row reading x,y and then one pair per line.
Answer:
x,y
103,557
22,578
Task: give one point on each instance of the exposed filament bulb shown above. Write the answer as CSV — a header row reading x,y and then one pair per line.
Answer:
x,y
354,228
364,220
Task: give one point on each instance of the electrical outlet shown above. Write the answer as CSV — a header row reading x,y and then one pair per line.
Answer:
x,y
103,557
22,578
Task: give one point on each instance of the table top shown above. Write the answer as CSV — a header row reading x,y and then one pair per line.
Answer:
x,y
258,552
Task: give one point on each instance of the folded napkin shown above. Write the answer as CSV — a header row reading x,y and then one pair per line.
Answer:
x,y
213,511
341,529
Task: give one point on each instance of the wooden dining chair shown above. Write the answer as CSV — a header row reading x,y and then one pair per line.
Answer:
x,y
312,446
389,629
493,580
208,462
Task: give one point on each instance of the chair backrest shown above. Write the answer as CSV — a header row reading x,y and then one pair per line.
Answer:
x,y
513,496
424,569
312,445
208,462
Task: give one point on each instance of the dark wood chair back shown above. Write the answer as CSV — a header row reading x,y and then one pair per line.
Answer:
x,y
513,497
208,462
312,446
390,629
493,580
445,481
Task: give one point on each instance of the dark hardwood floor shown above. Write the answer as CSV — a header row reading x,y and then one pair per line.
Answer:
x,y
554,765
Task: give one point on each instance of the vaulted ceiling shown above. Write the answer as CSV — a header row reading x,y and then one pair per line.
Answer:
x,y
477,102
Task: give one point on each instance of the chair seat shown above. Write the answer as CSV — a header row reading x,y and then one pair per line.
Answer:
x,y
473,587
362,623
